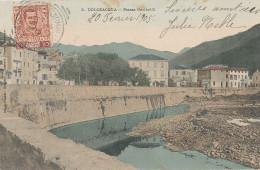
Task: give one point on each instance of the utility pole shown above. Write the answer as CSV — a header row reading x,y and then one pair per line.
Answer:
x,y
5,108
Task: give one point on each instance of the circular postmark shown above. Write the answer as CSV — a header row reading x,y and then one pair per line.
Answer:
x,y
39,24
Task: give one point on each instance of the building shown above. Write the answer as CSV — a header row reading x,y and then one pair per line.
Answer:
x,y
14,65
24,66
256,79
29,66
238,77
183,76
49,63
213,77
155,67
219,76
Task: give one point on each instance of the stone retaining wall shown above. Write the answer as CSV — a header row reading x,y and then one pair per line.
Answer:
x,y
55,106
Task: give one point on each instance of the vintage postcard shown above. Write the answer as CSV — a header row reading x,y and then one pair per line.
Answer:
x,y
129,84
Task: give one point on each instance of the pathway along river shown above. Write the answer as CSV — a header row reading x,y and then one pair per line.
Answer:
x,y
109,135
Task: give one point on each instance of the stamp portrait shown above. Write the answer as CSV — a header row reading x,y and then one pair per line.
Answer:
x,y
32,26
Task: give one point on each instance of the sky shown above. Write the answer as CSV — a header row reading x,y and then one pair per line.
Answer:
x,y
79,31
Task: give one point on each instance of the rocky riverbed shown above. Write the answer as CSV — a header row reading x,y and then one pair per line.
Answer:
x,y
222,127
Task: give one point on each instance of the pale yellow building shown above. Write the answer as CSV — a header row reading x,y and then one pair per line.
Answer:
x,y
256,78
49,63
14,65
155,67
29,66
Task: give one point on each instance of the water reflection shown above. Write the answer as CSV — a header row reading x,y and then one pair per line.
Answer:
x,y
108,134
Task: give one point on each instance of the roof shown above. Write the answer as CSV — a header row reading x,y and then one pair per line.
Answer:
x,y
147,57
224,69
180,68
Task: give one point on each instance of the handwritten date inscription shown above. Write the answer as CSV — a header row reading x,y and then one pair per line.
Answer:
x,y
111,17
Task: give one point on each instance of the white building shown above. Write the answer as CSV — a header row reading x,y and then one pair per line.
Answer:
x,y
182,76
221,77
155,67
14,62
238,77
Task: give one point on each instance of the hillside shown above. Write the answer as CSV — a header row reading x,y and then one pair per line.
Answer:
x,y
246,55
213,48
125,50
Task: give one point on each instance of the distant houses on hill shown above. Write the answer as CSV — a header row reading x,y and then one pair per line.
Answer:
x,y
211,76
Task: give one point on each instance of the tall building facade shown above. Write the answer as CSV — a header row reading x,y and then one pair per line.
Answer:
x,y
155,67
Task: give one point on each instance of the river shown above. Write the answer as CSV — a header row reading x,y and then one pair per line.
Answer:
x,y
109,135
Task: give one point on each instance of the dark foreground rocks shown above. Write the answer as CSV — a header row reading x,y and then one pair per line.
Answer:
x,y
223,127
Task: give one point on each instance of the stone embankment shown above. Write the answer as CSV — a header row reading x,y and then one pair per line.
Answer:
x,y
55,106
26,146
222,127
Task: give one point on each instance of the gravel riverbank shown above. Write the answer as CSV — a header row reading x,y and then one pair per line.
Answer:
x,y
222,127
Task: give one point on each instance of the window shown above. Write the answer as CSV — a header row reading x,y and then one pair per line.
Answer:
x,y
214,83
183,73
28,64
176,72
162,65
231,84
245,77
24,64
235,77
44,76
231,77
162,73
45,57
1,62
15,73
20,54
155,65
238,76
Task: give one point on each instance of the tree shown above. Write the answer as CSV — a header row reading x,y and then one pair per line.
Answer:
x,y
140,78
68,70
101,67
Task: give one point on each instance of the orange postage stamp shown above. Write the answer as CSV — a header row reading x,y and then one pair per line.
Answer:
x,y
32,27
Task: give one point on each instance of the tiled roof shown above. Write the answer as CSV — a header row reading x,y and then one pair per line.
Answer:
x,y
147,57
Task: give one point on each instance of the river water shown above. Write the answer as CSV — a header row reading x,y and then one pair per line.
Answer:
x,y
109,135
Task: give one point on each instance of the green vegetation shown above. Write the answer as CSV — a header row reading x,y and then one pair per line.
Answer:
x,y
101,68
245,56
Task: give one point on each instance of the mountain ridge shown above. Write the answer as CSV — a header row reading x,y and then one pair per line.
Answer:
x,y
209,49
125,50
